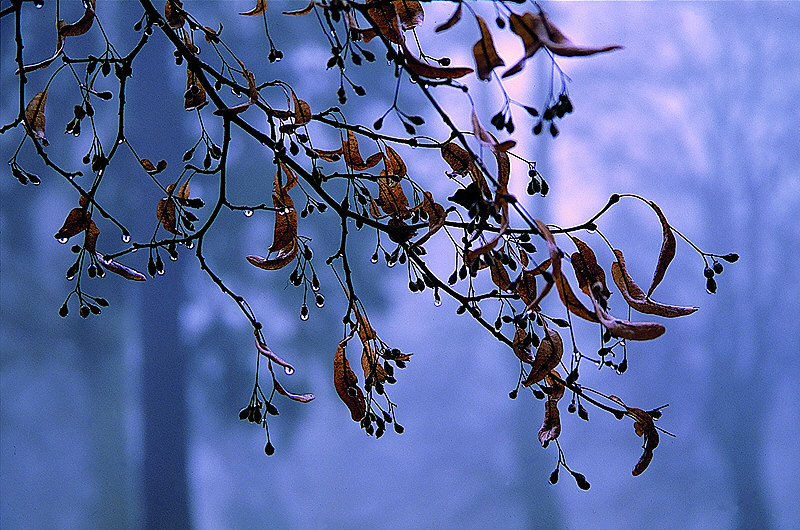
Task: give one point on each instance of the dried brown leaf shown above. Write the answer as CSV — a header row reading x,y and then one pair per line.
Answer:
x,y
625,329
173,13
644,426
525,26
82,25
548,355
76,222
499,274
570,300
285,256
433,72
302,111
457,158
34,114
410,13
346,384
522,350
667,249
259,9
118,268
587,271
300,12
91,236
559,44
392,199
526,286
436,217
302,398
264,350
486,58
551,425
329,155
352,155
194,90
635,296
450,22
285,217
395,166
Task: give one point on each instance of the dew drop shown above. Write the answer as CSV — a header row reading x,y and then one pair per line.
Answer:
x,y
161,272
304,316
121,141
190,245
390,264
126,238
248,213
374,258
63,240
173,257
437,302
288,369
70,278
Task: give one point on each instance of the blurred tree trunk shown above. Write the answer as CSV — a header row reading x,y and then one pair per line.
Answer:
x,y
164,490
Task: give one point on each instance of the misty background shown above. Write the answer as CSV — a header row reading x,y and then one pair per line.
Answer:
x,y
130,419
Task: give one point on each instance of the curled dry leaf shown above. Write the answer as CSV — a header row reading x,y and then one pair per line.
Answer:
x,y
587,271
644,427
76,222
667,249
264,350
486,58
625,329
392,199
259,9
352,155
346,384
174,14
285,217
166,211
522,350
635,296
285,256
452,21
83,24
195,96
526,286
373,370
302,398
457,158
548,355
118,268
395,166
487,138
409,12
91,236
429,71
551,425
34,114
302,111
300,12
537,30
436,217
559,44
499,274
570,300
328,155
252,92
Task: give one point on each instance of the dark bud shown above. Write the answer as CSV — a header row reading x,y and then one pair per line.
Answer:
x,y
606,336
537,129
554,476
207,160
341,95
409,128
136,27
398,428
708,272
711,285
368,55
560,322
538,394
718,268
101,302
159,264
359,90
461,310
572,377
271,409
498,120
105,95
444,61
582,414
319,300
105,69
269,449
356,59
304,312
416,120
85,311
94,309
379,388
500,22
188,155
530,110
549,113
571,409
581,481
151,267
453,278
553,130
513,394
412,286
63,311
623,366
400,364
619,414
91,271
72,271
731,258
75,249
378,123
